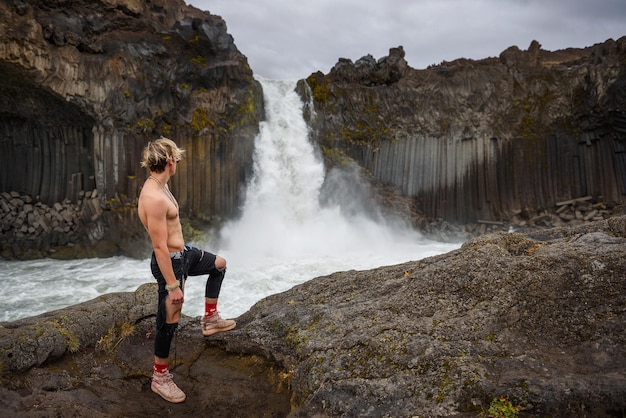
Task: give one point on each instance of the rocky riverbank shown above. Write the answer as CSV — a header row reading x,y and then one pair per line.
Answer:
x,y
30,229
86,228
536,319
23,218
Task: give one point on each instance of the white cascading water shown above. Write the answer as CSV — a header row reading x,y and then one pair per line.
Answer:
x,y
284,237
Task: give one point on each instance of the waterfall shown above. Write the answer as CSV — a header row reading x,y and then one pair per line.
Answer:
x,y
281,207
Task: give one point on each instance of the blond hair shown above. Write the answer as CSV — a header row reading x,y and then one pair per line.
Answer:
x,y
158,152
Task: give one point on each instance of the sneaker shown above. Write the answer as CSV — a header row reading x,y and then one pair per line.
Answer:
x,y
163,385
214,324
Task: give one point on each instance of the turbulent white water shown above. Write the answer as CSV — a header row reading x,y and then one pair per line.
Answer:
x,y
284,237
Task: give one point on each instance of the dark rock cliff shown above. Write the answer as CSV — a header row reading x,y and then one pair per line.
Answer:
x,y
85,84
500,139
538,320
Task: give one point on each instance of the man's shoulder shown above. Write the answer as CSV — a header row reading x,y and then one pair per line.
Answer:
x,y
150,196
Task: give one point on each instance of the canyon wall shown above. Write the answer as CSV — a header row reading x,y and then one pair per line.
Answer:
x,y
497,139
86,84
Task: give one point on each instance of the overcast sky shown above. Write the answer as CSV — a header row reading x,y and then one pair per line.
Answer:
x,y
290,39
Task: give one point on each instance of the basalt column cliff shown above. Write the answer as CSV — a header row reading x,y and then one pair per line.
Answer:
x,y
528,135
85,84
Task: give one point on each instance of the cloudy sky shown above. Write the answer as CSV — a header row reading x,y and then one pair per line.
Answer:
x,y
290,39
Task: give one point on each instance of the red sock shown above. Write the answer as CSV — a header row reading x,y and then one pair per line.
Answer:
x,y
210,308
160,368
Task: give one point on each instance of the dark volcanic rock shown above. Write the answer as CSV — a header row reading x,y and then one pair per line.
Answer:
x,y
537,320
86,84
95,359
541,322
480,140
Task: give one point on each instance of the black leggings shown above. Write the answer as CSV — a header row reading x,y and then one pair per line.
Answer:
x,y
189,262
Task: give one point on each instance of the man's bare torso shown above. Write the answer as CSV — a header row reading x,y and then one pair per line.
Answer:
x,y
158,212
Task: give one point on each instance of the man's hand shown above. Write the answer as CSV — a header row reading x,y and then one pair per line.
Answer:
x,y
176,296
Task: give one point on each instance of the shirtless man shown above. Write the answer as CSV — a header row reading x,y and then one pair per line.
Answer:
x,y
173,261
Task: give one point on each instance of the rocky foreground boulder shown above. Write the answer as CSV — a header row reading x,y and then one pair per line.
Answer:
x,y
539,320
94,359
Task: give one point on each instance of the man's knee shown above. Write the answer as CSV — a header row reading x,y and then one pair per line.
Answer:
x,y
220,263
172,311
